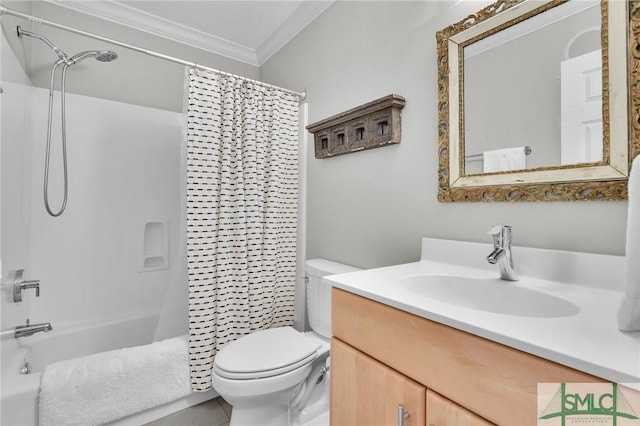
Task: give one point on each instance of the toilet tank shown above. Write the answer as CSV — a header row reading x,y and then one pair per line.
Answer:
x,y
319,293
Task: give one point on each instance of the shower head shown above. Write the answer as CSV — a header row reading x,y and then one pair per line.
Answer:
x,y
102,56
106,56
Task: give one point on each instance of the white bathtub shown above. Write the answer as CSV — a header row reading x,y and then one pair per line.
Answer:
x,y
20,392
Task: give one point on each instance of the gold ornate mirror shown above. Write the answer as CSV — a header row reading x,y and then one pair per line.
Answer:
x,y
539,100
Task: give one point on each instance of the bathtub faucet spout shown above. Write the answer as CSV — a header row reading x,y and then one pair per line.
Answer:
x,y
30,329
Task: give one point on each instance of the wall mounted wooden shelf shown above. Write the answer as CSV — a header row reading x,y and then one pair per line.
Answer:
x,y
367,126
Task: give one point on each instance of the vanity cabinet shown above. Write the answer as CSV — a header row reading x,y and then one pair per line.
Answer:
x,y
382,356
443,412
370,392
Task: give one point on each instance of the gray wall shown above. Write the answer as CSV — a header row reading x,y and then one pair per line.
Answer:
x,y
371,208
133,78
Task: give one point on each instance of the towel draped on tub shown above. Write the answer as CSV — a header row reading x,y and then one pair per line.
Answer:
x,y
107,386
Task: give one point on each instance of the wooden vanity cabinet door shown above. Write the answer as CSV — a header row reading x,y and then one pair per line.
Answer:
x,y
495,381
365,392
443,412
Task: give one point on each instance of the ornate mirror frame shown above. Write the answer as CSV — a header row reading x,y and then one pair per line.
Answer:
x,y
605,180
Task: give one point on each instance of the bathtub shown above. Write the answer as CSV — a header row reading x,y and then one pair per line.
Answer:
x,y
20,391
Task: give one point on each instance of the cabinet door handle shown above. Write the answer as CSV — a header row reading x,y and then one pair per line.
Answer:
x,y
402,415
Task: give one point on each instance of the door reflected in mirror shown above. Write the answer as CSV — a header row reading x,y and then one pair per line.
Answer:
x,y
533,92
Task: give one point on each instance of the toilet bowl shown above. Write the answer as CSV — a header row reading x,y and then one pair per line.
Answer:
x,y
279,376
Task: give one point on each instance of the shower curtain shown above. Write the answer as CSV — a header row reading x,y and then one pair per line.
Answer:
x,y
242,200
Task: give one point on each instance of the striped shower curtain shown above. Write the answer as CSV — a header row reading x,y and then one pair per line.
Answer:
x,y
242,198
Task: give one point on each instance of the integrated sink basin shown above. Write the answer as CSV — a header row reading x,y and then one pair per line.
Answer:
x,y
562,309
489,295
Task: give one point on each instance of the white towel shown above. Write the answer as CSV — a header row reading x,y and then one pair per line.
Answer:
x,y
629,312
107,386
504,159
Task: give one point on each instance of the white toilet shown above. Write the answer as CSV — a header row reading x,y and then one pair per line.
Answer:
x,y
279,377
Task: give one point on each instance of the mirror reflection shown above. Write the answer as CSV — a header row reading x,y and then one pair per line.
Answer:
x,y
532,93
501,87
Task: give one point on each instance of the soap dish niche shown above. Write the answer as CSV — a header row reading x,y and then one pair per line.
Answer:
x,y
154,245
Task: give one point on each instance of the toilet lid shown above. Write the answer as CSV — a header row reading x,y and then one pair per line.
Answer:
x,y
265,353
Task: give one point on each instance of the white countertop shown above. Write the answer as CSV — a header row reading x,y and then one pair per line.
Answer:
x,y
588,341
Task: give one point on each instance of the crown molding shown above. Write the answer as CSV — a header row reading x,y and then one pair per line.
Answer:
x,y
307,12
528,26
119,13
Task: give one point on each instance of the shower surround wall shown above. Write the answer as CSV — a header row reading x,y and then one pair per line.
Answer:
x,y
124,171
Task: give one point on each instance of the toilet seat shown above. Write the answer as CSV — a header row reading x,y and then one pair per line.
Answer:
x,y
265,353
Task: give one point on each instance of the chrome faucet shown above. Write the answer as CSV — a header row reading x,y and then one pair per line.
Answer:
x,y
30,329
501,253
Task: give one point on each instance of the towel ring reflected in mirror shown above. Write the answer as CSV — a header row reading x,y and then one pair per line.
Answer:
x,y
481,102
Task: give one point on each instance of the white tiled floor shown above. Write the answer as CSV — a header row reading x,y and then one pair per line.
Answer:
x,y
214,412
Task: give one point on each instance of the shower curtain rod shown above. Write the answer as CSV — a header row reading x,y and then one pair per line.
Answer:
x,y
6,11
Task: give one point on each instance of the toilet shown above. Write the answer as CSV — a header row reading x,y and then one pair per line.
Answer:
x,y
280,376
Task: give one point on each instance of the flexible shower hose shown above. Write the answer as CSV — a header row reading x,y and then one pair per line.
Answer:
x,y
64,139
